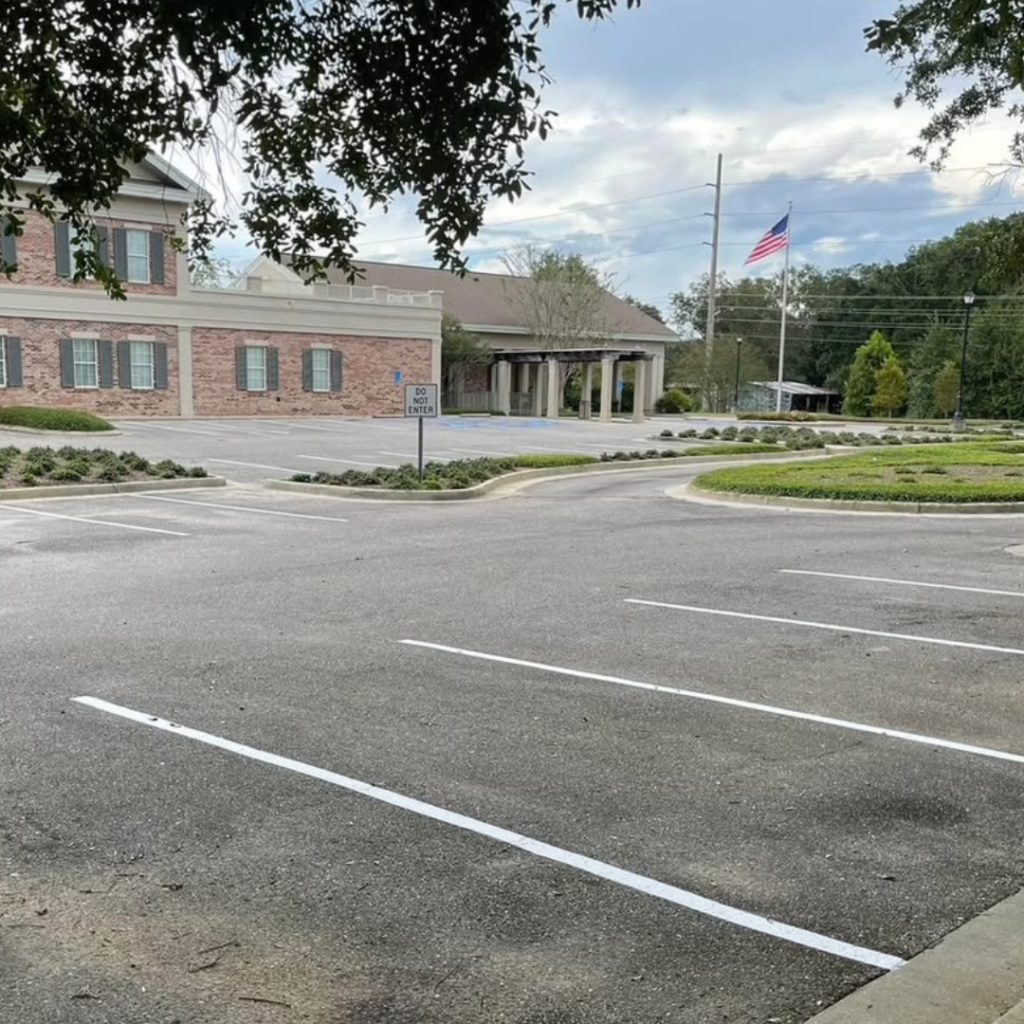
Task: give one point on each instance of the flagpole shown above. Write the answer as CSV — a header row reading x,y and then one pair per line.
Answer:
x,y
785,303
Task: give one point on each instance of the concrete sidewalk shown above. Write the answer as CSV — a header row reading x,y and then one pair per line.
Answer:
x,y
975,975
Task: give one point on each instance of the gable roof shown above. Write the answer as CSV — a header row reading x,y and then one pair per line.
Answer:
x,y
483,301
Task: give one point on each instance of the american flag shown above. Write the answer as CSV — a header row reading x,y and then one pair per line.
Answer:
x,y
775,239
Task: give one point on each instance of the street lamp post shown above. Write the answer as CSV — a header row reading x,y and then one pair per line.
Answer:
x,y
736,387
959,421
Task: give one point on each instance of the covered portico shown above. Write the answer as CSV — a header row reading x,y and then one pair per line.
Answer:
x,y
538,372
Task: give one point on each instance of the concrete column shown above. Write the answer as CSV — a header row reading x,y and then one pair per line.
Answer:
x,y
554,390
503,399
639,389
524,378
585,391
185,393
656,380
435,361
538,389
607,385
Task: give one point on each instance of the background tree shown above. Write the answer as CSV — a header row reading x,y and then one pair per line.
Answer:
x,y
460,350
860,389
890,388
318,98
645,307
947,388
688,368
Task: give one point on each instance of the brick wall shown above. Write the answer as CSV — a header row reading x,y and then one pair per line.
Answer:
x,y
37,258
40,342
369,387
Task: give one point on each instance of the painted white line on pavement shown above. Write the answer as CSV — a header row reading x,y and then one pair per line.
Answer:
x,y
347,462
599,869
239,508
903,583
477,451
178,430
732,702
968,645
253,465
427,457
92,522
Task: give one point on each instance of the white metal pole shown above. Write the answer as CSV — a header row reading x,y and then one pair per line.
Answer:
x,y
785,303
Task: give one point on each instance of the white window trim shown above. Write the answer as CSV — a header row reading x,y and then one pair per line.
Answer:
x,y
148,279
75,362
249,345
324,390
3,360
151,386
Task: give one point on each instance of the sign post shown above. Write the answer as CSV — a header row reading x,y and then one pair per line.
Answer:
x,y
421,402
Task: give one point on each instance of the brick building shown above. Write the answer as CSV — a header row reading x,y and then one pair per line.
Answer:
x,y
268,345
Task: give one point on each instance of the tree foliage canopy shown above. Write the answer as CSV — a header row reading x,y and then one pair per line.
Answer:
x,y
976,44
381,97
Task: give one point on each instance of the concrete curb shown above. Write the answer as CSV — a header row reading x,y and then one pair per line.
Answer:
x,y
515,481
63,433
92,490
972,976
839,505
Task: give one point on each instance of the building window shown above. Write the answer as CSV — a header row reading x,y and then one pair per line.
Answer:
x,y
3,361
86,362
137,255
141,353
255,368
86,244
321,369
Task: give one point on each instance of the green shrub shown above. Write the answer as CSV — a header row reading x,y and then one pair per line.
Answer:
x,y
729,433
38,418
111,474
197,472
68,472
552,461
666,433
674,401
709,434
168,470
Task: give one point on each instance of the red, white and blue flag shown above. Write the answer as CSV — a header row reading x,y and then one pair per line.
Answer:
x,y
776,239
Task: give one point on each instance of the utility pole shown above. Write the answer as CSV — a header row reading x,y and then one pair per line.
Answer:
x,y
709,329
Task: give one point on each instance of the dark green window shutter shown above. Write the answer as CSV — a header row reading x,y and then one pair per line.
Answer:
x,y
273,377
9,243
241,368
336,371
121,254
160,379
105,360
124,364
67,363
62,246
307,370
156,257
103,238
13,360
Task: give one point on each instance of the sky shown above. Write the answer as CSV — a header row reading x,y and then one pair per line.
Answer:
x,y
785,92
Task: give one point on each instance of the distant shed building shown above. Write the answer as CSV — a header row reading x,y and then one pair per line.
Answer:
x,y
760,396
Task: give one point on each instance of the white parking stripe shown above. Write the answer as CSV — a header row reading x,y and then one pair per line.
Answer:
x,y
732,702
903,583
239,508
477,451
427,457
830,626
178,430
348,462
91,522
599,869
253,465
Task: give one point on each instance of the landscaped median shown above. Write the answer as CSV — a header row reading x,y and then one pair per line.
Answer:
x,y
473,478
39,420
967,476
58,472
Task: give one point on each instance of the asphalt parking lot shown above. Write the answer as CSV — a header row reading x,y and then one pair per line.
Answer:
x,y
584,755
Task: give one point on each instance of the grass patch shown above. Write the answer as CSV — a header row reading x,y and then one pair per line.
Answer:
x,y
786,417
950,473
68,465
463,473
51,419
